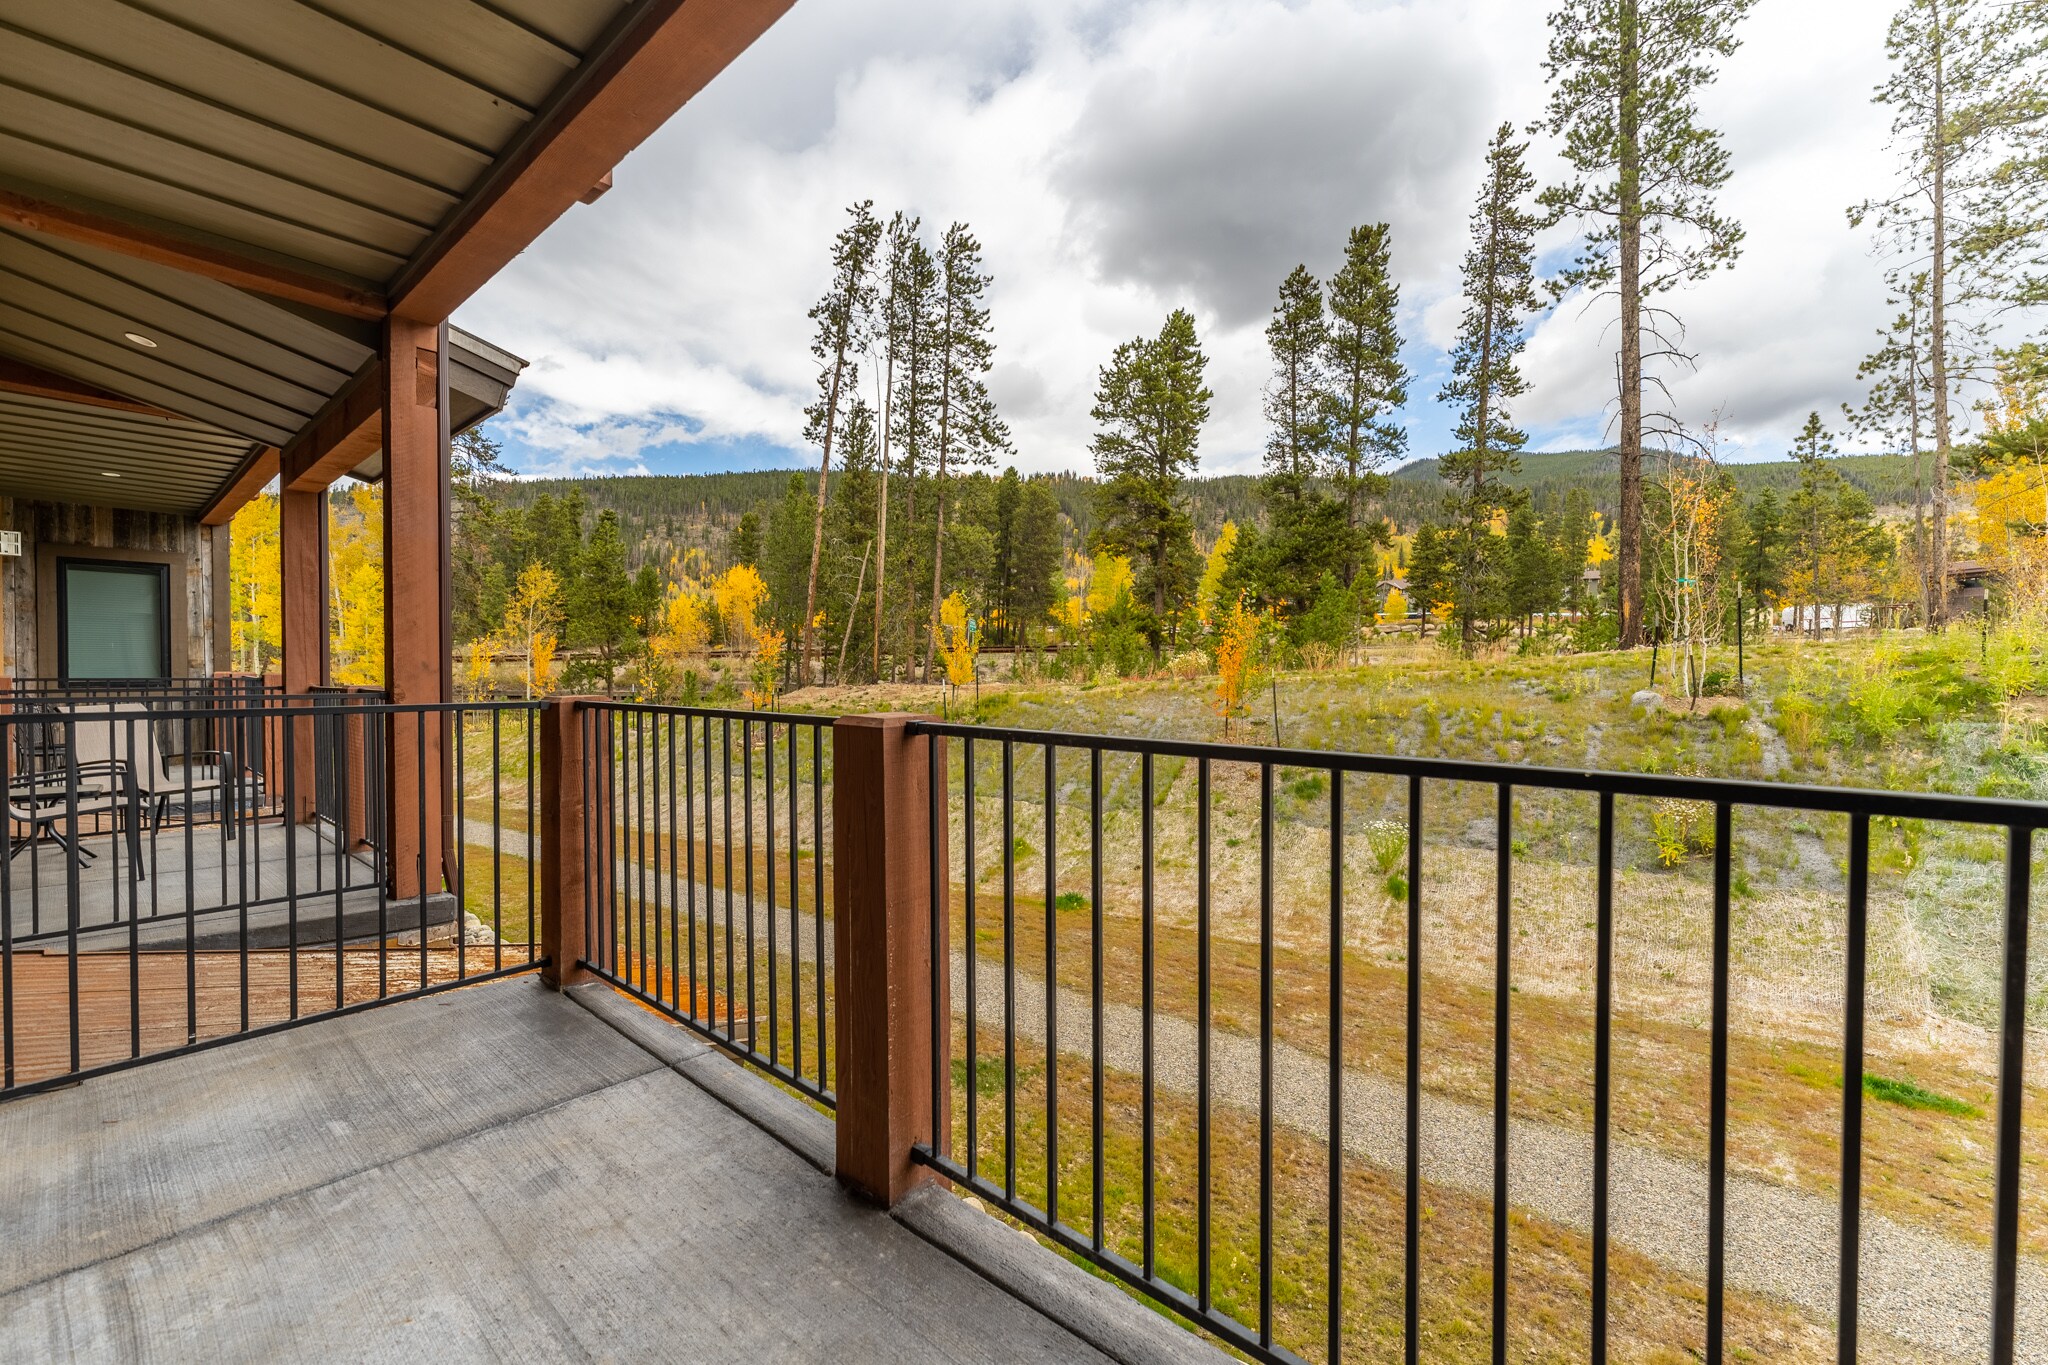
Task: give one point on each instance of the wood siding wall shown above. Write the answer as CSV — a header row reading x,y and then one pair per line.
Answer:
x,y
202,596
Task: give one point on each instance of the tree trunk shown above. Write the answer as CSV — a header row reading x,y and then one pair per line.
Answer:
x,y
931,645
1629,208
858,587
1937,324
882,510
809,637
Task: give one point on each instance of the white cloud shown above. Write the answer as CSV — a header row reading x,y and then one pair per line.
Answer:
x,y
1121,159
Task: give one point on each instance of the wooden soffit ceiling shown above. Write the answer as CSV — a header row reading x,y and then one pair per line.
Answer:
x,y
251,185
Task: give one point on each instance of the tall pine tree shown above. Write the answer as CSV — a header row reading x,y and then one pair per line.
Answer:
x,y
1965,79
899,303
1500,294
1304,537
969,432
843,317
1625,75
1150,404
1367,382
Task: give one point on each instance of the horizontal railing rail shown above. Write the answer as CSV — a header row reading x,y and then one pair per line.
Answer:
x,y
706,866
1013,1085
365,852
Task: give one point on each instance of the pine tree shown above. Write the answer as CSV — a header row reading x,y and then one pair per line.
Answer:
x,y
1002,525
969,430
1760,565
1625,75
1033,557
604,607
1150,405
1430,570
1296,408
1899,398
1304,535
745,545
852,530
1531,587
1574,534
899,301
1813,509
914,407
1367,383
1499,272
1965,78
844,318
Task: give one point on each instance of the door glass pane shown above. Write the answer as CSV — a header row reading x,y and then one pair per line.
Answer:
x,y
113,622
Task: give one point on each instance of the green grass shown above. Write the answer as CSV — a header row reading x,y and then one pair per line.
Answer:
x,y
1911,1096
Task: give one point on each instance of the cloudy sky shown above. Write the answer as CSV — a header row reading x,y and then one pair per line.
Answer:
x,y
1121,158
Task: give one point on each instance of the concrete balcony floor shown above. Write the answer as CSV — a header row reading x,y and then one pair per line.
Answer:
x,y
494,1173
199,869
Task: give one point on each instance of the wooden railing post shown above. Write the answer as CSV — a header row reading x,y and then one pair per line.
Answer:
x,y
561,818
885,952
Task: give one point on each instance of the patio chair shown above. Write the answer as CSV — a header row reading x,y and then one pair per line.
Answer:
x,y
88,781
210,773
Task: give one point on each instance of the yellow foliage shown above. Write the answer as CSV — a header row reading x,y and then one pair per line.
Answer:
x,y
540,655
768,645
2015,495
1240,635
1109,584
255,611
355,576
1212,571
1600,545
476,671
959,642
1392,557
739,593
532,613
685,627
1396,609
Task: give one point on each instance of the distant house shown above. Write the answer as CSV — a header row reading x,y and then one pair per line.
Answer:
x,y
1969,586
1809,618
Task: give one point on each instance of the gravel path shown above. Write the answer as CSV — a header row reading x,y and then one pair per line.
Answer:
x,y
1918,1287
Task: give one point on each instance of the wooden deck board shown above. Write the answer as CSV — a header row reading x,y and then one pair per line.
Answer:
x,y
124,1013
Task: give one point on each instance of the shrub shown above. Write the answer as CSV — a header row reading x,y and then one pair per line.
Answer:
x,y
1387,840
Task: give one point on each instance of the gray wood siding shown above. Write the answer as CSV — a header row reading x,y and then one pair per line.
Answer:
x,y
84,527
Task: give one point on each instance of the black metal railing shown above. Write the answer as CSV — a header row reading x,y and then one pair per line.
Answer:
x,y
217,703
1013,1088
148,907
706,866
344,747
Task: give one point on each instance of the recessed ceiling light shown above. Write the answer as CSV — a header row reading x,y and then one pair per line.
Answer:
x,y
139,339
110,474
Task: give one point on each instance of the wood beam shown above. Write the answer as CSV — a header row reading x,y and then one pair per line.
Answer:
x,y
654,59
258,468
414,587
19,376
163,245
347,430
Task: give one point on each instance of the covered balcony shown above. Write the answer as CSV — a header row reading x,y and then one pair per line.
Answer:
x,y
373,1024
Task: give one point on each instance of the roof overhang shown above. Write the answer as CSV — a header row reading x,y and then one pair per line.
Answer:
x,y
207,209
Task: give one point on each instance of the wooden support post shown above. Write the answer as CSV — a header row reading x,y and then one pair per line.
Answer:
x,y
883,845
302,585
414,542
561,815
